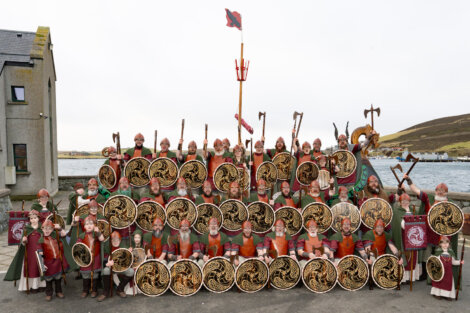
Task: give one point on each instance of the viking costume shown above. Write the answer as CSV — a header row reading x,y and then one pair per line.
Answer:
x,y
73,202
279,245
214,245
247,247
343,245
175,193
213,161
375,242
337,199
129,192
302,157
100,196
138,151
44,209
322,196
256,196
186,248
189,156
283,200
161,197
311,243
115,164
257,159
446,287
203,198
157,246
74,232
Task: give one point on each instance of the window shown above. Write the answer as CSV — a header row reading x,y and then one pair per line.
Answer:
x,y
17,93
19,154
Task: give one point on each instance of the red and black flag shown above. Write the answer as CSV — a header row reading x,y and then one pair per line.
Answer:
x,y
234,19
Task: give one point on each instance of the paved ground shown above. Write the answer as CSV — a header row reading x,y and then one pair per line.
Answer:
x,y
294,300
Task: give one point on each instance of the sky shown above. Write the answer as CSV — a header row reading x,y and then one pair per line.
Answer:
x,y
140,66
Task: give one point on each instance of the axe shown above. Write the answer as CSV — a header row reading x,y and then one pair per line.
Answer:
x,y
263,114
300,122
408,158
250,141
372,110
398,166
117,141
205,145
180,146
155,142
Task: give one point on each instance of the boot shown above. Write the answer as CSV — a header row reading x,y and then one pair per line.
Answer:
x,y
86,287
94,289
49,290
106,288
58,288
123,281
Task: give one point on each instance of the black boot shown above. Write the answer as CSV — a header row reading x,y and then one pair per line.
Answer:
x,y
58,288
106,288
94,289
49,290
86,287
123,281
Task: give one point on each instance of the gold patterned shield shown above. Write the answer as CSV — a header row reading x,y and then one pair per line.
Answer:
x,y
60,220
386,272
353,273
307,172
122,259
292,219
81,254
261,216
194,172
281,161
218,275
234,214
139,257
445,218
435,268
345,210
104,228
347,163
243,178
136,171
186,278
374,209
179,209
320,213
165,170
120,211
225,174
324,179
268,172
84,209
319,275
251,275
147,211
284,272
107,176
205,211
152,278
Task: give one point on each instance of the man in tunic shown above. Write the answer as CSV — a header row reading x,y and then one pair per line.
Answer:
x,y
373,190
157,241
93,193
165,152
344,243
155,193
78,224
78,190
191,155
261,194
215,158
207,195
279,148
115,162
183,245
125,189
247,245
285,198
303,155
316,195
311,244
342,197
139,150
214,243
234,192
182,191
278,243
317,148
226,144
43,205
258,157
378,241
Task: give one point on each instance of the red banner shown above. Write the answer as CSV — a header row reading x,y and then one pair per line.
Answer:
x,y
15,226
415,235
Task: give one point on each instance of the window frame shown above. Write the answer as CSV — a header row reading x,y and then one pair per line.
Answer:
x,y
25,157
13,94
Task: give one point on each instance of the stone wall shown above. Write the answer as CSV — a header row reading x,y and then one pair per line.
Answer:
x,y
66,183
5,206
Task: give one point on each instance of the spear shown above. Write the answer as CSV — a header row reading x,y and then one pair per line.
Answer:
x,y
460,271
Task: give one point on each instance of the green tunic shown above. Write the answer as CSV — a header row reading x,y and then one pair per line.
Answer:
x,y
130,193
38,207
281,199
73,196
307,199
371,237
145,151
254,196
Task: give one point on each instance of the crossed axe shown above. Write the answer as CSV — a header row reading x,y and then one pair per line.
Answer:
x,y
398,166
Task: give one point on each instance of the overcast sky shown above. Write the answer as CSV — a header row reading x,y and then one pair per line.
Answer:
x,y
140,66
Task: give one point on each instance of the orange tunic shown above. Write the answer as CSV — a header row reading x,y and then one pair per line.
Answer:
x,y
346,247
312,245
215,161
186,248
263,198
191,157
379,243
156,247
257,160
214,242
290,202
305,158
137,153
280,245
163,154
248,249
208,199
159,199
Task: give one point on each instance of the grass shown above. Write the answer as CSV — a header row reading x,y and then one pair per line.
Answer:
x,y
396,135
456,146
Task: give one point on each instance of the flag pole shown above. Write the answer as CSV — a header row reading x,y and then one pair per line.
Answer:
x,y
240,96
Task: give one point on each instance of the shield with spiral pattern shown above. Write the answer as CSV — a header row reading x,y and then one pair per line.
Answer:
x,y
353,273
319,275
165,170
179,209
284,272
147,211
225,174
152,278
292,219
435,268
205,211
186,278
194,173
261,216
386,272
120,211
218,275
107,176
268,172
234,214
347,163
445,218
136,171
320,213
251,275
374,209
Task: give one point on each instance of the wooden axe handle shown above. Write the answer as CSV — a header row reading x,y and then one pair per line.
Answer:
x,y
409,171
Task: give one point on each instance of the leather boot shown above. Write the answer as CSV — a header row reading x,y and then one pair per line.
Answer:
x,y
58,288
94,289
106,288
86,287
123,281
49,290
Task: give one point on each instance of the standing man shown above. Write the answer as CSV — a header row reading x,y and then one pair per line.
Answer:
x,y
258,157
139,150
191,155
214,159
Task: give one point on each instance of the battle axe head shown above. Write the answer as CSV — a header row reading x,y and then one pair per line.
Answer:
x,y
247,142
296,114
410,157
115,135
398,166
377,110
260,114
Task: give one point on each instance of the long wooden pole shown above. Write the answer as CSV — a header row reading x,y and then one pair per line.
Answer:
x,y
459,280
412,261
240,98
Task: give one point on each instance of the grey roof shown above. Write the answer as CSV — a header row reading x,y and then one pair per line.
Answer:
x,y
15,48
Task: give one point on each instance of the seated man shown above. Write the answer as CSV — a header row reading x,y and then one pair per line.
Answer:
x,y
182,191
316,195
214,243
207,195
157,241
183,245
93,192
345,243
278,243
285,198
261,193
247,245
311,244
378,241
155,193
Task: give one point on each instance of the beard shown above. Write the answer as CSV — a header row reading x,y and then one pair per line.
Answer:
x,y
184,235
373,190
208,194
157,233
213,232
235,195
261,192
182,192
315,194
279,234
156,193
440,198
92,192
219,153
345,199
347,233
312,234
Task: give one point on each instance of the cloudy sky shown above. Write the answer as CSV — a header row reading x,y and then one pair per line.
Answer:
x,y
140,66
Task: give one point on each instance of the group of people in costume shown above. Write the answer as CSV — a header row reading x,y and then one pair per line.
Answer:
x,y
46,238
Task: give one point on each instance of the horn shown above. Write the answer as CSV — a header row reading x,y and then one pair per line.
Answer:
x,y
347,132
336,131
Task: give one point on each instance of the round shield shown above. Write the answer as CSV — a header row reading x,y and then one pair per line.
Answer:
x,y
81,254
186,278
136,171
324,179
284,272
435,268
147,211
107,176
225,174
85,210
374,209
138,257
218,275
205,211
122,259
292,219
386,272
120,211
60,220
165,170
353,273
307,172
268,172
243,178
320,213
152,278
234,214
347,163
261,216
251,275
445,218
342,210
281,161
104,228
179,209
319,275
194,172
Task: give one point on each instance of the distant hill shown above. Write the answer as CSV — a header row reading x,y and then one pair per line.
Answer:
x,y
448,134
